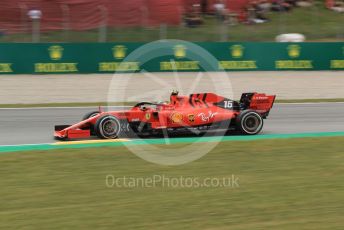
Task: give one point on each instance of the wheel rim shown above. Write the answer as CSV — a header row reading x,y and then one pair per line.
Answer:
x,y
251,123
109,128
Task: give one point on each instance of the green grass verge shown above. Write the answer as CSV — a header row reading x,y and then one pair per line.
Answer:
x,y
283,184
318,24
81,104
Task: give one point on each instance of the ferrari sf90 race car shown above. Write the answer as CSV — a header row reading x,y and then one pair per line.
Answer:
x,y
195,113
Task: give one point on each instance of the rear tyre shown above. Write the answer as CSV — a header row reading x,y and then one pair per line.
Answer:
x,y
107,127
249,122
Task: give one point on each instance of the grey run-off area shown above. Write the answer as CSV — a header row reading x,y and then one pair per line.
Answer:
x,y
30,89
36,125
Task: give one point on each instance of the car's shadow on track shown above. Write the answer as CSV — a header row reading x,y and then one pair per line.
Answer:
x,y
185,135
162,136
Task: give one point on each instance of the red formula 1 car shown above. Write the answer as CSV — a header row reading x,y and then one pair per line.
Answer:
x,y
197,113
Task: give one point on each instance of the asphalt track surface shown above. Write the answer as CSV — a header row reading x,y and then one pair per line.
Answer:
x,y
35,125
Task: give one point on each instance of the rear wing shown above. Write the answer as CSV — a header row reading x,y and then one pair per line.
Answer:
x,y
259,102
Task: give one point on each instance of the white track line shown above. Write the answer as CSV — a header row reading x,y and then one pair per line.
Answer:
x,y
26,144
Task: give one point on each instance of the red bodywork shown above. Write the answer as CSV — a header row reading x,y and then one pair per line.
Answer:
x,y
194,110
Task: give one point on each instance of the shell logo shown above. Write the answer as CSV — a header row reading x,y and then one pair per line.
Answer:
x,y
176,118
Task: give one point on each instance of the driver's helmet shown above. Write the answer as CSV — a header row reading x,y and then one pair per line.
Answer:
x,y
173,97
175,92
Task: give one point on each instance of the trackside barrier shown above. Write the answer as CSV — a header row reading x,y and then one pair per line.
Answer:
x,y
52,58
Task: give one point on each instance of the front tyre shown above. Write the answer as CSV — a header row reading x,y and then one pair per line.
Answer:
x,y
249,122
108,127
90,114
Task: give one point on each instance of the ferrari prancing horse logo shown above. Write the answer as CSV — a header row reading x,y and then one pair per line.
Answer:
x,y
191,117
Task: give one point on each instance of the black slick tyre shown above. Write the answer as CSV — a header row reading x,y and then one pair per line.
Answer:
x,y
249,122
107,127
89,115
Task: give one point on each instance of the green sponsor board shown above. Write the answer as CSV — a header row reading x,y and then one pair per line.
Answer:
x,y
51,58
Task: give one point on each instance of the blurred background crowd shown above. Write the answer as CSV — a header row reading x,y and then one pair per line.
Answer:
x,y
146,20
